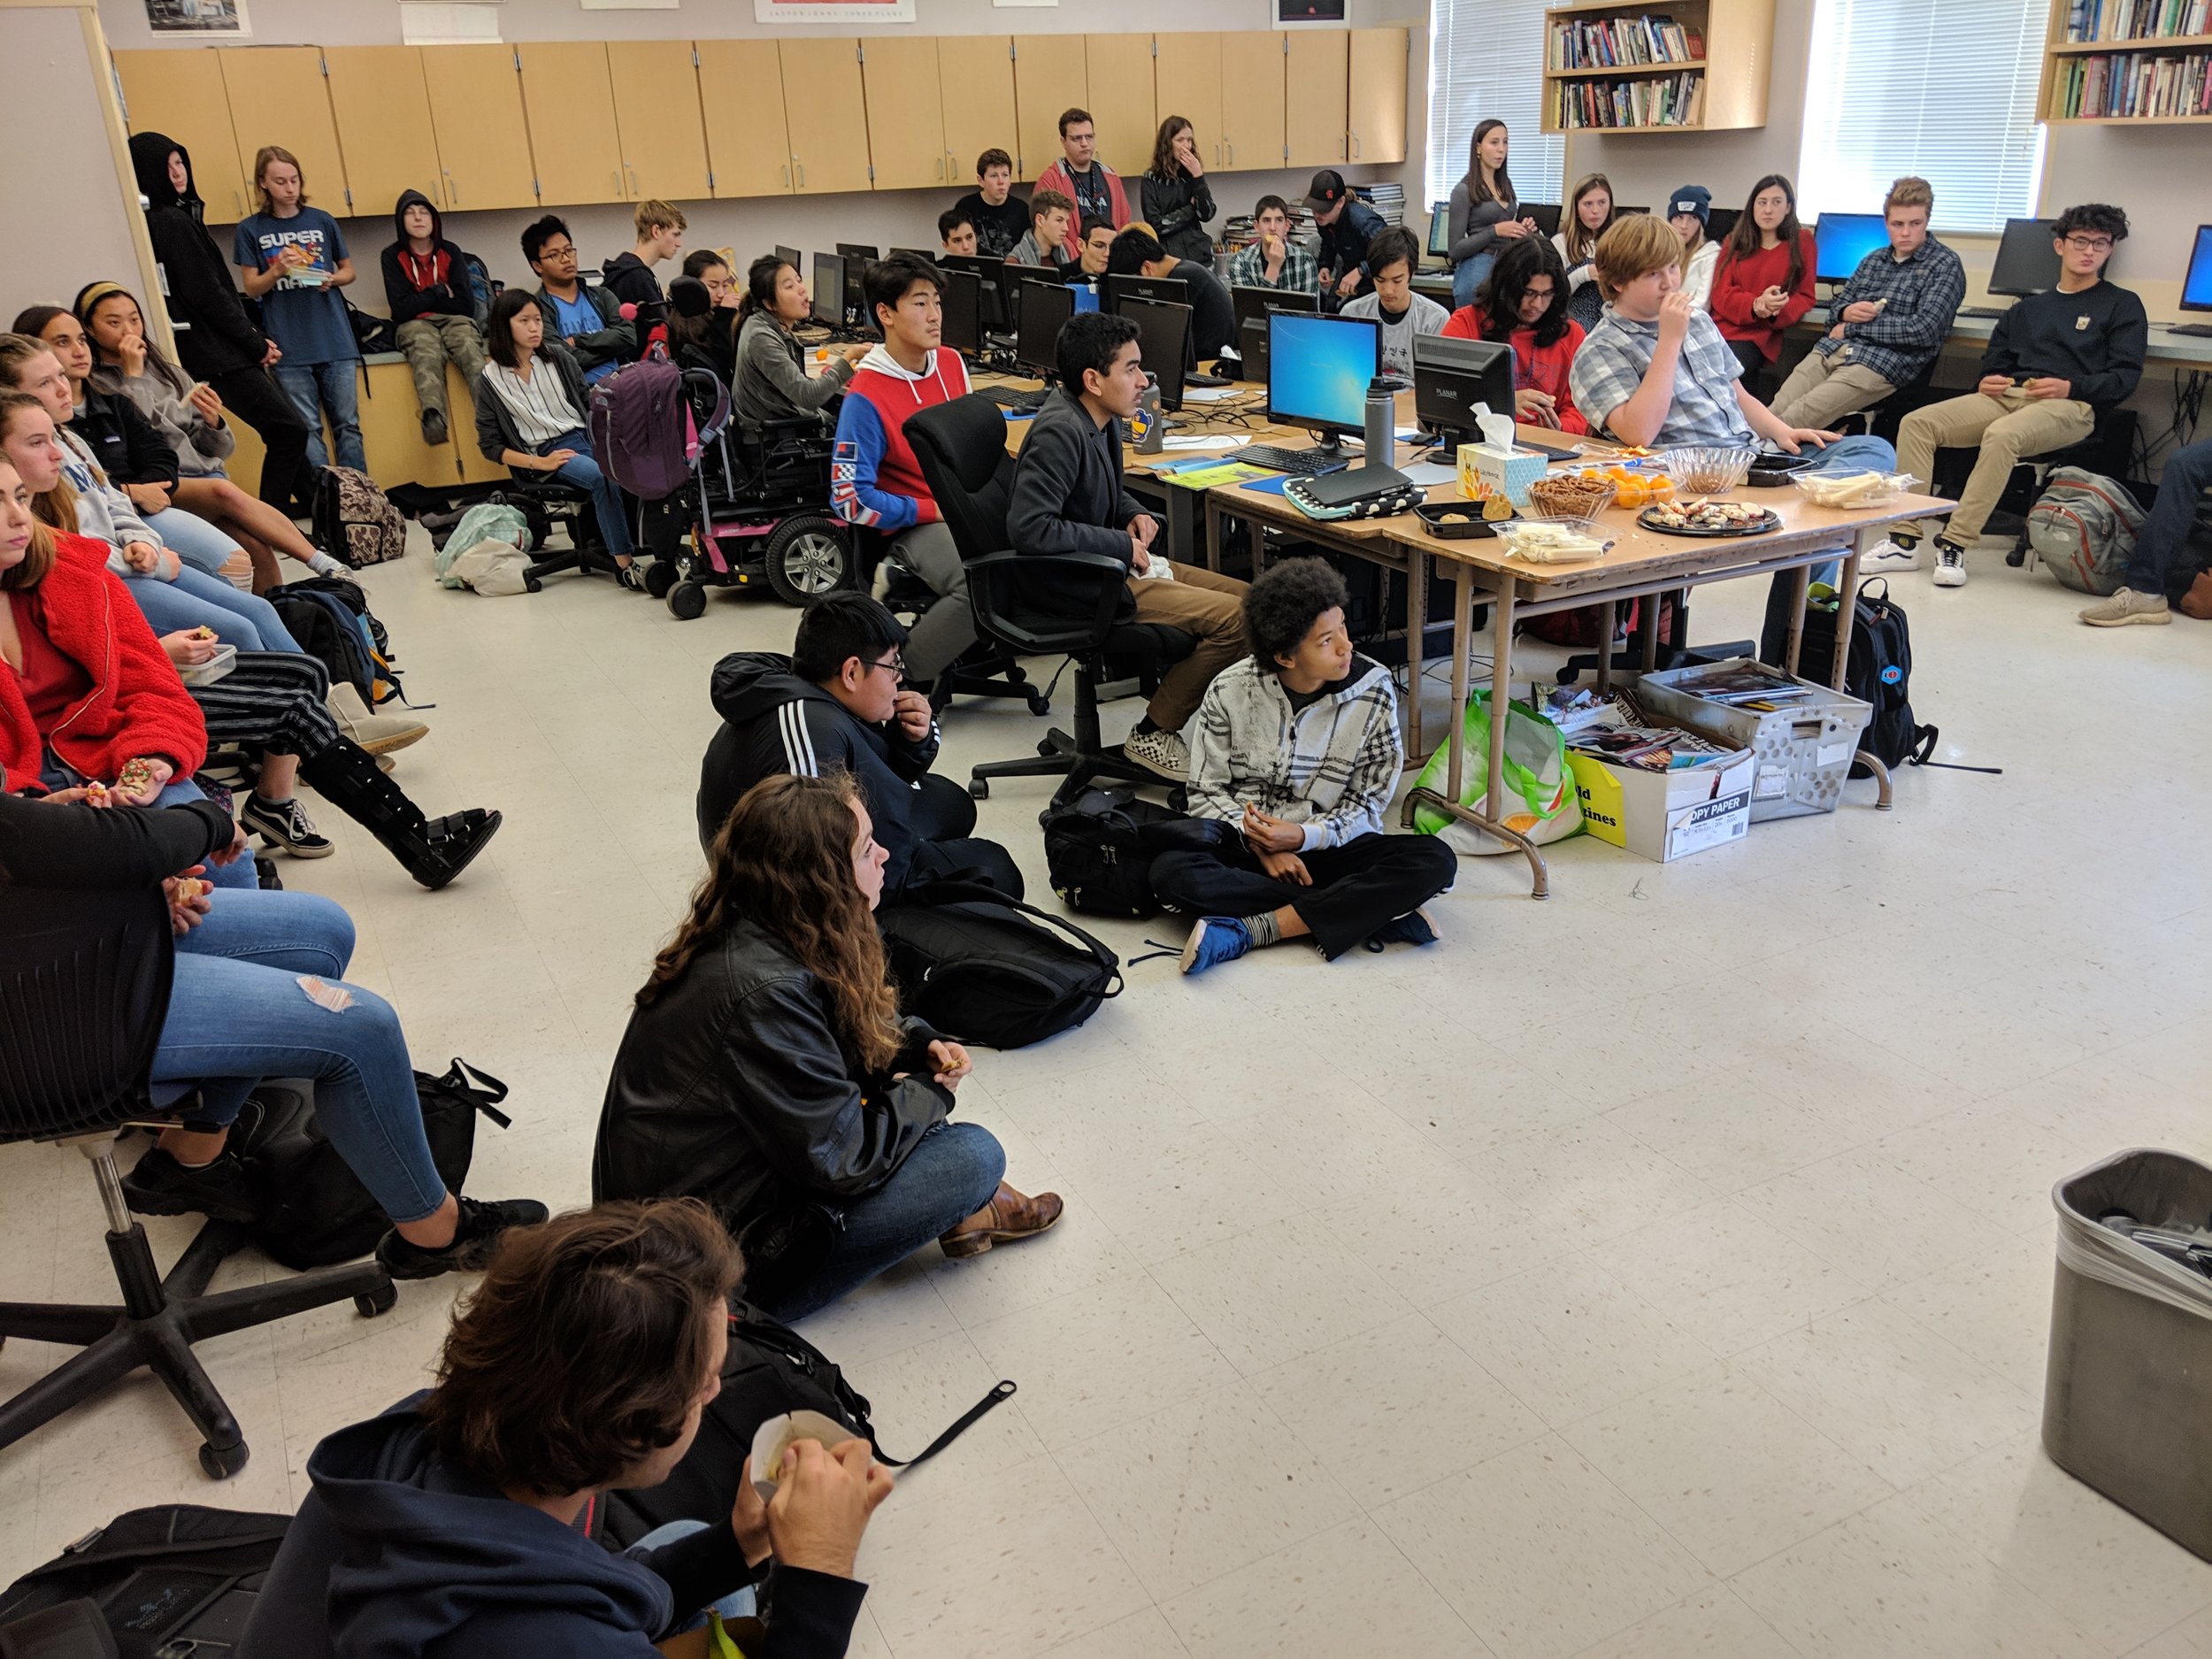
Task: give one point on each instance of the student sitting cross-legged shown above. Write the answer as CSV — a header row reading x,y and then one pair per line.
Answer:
x,y
1296,749
1068,497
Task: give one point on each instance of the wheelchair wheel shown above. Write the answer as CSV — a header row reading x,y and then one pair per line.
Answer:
x,y
808,556
660,576
687,601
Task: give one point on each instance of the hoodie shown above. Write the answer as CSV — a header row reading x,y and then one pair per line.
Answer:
x,y
874,479
1330,767
630,279
417,285
219,337
396,1555
774,722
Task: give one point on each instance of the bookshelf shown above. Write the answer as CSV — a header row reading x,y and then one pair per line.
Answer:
x,y
2128,63
1614,68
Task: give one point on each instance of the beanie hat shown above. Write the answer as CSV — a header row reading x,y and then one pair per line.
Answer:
x,y
1691,198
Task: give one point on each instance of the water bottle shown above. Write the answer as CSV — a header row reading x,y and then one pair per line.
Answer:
x,y
1151,431
1382,425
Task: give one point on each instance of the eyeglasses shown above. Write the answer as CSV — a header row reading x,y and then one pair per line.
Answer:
x,y
895,667
549,252
2090,244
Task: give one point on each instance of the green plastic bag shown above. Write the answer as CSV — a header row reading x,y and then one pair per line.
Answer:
x,y
1540,799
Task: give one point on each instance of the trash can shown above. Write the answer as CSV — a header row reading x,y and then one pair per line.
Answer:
x,y
2127,1396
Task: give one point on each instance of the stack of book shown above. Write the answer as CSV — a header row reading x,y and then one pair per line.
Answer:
x,y
2132,84
1613,43
2136,19
1661,100
1389,200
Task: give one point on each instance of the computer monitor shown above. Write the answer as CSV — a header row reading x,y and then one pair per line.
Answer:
x,y
1545,213
1161,290
1252,305
925,255
792,258
858,312
859,250
1841,240
1319,369
964,311
2027,259
1163,342
2196,285
1620,212
829,290
1719,221
1440,229
1451,375
996,314
1045,308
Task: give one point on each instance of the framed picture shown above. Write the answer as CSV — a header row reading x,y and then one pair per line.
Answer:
x,y
1310,10
198,17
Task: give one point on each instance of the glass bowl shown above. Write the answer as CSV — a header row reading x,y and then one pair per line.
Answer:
x,y
1708,472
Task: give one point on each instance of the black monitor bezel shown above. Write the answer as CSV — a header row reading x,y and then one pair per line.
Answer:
x,y
835,262
2199,243
1434,352
2039,247
1170,379
1047,367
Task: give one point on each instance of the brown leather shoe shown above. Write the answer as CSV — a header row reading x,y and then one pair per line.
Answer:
x,y
1007,1217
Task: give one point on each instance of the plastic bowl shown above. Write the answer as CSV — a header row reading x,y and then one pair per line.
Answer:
x,y
1847,490
1708,472
1513,530
1566,495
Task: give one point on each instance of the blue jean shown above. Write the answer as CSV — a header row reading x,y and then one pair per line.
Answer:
x,y
2160,563
199,544
238,1013
950,1174
196,599
57,774
738,1604
1469,276
582,470
332,388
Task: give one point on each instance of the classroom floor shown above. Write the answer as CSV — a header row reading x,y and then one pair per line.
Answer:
x,y
1661,1270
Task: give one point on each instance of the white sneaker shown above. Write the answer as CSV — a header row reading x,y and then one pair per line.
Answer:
x,y
1887,558
1163,752
1950,566
2127,606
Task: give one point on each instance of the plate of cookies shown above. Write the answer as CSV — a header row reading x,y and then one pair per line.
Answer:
x,y
1709,519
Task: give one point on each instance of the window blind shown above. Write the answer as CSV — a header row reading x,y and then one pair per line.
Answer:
x,y
1486,58
1943,88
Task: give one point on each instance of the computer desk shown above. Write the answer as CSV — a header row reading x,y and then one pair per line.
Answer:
x,y
2192,352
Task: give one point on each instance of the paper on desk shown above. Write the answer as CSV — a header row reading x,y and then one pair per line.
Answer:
x,y
1208,394
1208,477
1207,440
1427,472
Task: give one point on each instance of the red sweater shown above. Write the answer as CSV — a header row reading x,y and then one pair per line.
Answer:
x,y
1535,368
1737,282
136,709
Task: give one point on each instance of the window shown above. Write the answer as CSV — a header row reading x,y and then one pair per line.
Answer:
x,y
1943,88
1486,58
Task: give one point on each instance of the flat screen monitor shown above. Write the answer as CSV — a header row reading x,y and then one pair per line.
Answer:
x,y
997,316
1440,229
1841,240
1719,221
2027,259
923,254
1045,310
1319,371
964,311
1624,211
792,258
1163,342
1545,213
858,313
2196,286
1451,375
1160,290
1254,303
859,250
829,290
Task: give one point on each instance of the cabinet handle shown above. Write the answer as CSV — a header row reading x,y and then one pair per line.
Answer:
x,y
241,201
627,168
617,183
785,171
802,175
1233,153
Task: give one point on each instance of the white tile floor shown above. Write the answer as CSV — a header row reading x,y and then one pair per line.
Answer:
x,y
1662,1270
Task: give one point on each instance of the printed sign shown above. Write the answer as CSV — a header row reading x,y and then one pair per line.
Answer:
x,y
857,13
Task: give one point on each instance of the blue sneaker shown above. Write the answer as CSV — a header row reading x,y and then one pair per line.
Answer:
x,y
1216,939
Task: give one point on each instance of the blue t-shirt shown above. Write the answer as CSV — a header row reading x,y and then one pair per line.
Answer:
x,y
579,316
307,320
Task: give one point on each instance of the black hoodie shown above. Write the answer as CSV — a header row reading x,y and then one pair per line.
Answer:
x,y
218,336
630,279
417,286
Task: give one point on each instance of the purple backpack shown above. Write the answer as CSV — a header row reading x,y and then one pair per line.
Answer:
x,y
640,428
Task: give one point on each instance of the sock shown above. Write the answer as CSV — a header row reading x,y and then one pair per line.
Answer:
x,y
1263,929
1947,540
1145,726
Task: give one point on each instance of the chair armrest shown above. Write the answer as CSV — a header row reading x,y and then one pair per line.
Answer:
x,y
987,574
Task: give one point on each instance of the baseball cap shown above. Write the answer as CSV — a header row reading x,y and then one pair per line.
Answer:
x,y
1326,190
1691,198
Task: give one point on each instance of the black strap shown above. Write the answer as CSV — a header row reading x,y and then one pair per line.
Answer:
x,y
1004,1390
1924,745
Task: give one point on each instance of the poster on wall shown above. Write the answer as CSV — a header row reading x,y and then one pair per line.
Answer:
x,y
855,13
198,17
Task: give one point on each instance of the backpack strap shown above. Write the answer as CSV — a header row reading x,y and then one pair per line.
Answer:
x,y
1003,1390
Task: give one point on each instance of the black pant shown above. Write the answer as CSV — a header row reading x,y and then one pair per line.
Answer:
x,y
1357,888
941,814
1758,375
250,395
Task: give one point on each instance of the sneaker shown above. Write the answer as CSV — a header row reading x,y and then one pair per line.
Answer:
x,y
630,576
433,432
284,823
1413,928
2126,606
1163,752
1215,940
221,1191
1889,557
1950,567
475,1239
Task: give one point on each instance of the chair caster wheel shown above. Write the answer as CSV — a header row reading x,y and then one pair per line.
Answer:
x,y
222,1464
375,1302
1044,747
2018,556
532,584
1039,704
979,789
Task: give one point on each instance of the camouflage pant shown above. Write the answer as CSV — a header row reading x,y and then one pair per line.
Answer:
x,y
428,341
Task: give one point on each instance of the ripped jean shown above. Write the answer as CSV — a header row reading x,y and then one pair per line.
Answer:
x,y
238,1014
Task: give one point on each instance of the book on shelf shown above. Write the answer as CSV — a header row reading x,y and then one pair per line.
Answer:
x,y
2132,85
1662,101
2091,20
1389,200
1624,42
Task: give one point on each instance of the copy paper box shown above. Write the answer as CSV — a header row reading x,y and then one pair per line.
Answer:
x,y
1663,815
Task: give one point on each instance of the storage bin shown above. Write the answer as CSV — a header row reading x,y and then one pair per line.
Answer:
x,y
1804,750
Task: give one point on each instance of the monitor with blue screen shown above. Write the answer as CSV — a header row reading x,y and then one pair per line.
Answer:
x,y
2196,286
1841,240
1319,371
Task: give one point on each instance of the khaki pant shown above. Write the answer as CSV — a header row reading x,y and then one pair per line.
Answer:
x,y
1209,609
1821,391
2005,428
427,341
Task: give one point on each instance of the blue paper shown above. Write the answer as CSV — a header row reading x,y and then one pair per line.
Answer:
x,y
1270,486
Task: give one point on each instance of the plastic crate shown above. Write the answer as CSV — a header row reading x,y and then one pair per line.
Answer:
x,y
1804,751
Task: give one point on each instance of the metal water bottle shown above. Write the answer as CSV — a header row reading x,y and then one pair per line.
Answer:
x,y
1151,430
1382,425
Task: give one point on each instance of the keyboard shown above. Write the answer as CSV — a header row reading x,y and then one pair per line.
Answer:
x,y
1981,310
1298,462
2189,328
1192,377
1005,399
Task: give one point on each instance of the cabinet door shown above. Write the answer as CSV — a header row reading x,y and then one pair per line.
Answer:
x,y
906,113
1377,113
656,114
570,101
1049,77
476,112
822,104
1315,80
1252,100
391,430
383,112
740,95
277,96
1118,74
1187,82
180,94
975,82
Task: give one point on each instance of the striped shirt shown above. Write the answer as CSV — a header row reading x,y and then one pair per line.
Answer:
x,y
538,404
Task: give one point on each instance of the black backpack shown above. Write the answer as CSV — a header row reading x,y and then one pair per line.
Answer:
x,y
332,622
986,969
177,1572
1100,848
1878,669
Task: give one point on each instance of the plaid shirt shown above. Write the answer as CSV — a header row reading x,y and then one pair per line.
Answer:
x,y
1610,367
1923,291
1330,766
1300,274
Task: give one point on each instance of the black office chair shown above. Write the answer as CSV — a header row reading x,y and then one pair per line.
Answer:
x,y
2107,450
960,447
548,501
84,979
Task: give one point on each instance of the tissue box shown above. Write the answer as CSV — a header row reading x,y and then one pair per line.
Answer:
x,y
1511,471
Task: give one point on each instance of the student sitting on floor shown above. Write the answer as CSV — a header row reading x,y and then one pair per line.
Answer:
x,y
836,704
1272,260
1296,749
2163,565
1213,319
587,320
629,276
1764,280
955,233
1068,497
1391,259
1051,214
2055,359
434,308
1523,304
1000,217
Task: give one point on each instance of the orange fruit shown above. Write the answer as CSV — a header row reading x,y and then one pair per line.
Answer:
x,y
1630,492
1660,488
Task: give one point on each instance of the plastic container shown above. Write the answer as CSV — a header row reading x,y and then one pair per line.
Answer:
x,y
1804,748
2127,1391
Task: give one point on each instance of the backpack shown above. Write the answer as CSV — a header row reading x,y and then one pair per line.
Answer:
x,y
354,521
330,618
1878,669
638,427
2084,528
1100,848
149,1577
978,967
315,1211
372,334
1578,629
482,289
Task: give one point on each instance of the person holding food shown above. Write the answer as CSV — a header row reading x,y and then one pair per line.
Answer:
x,y
1525,304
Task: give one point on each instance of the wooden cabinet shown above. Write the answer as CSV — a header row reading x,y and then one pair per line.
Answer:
x,y
657,116
1316,83
1376,113
382,109
975,82
1187,82
740,98
905,110
1118,92
1049,77
1252,100
483,142
569,98
277,96
179,94
822,112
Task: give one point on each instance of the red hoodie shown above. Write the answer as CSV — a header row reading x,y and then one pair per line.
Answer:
x,y
1535,368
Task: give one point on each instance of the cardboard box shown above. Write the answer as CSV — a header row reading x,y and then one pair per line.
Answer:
x,y
1804,748
1663,815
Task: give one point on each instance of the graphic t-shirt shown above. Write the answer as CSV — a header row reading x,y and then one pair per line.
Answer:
x,y
305,315
1093,197
578,317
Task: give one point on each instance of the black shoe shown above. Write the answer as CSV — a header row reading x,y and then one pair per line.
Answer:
x,y
450,842
221,1191
284,823
1412,928
630,576
475,1239
434,431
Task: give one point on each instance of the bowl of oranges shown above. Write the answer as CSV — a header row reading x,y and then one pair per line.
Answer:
x,y
1631,486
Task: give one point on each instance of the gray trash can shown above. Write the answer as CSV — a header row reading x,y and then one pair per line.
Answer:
x,y
2127,1396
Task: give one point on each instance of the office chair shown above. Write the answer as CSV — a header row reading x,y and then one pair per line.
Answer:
x,y
546,502
84,980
